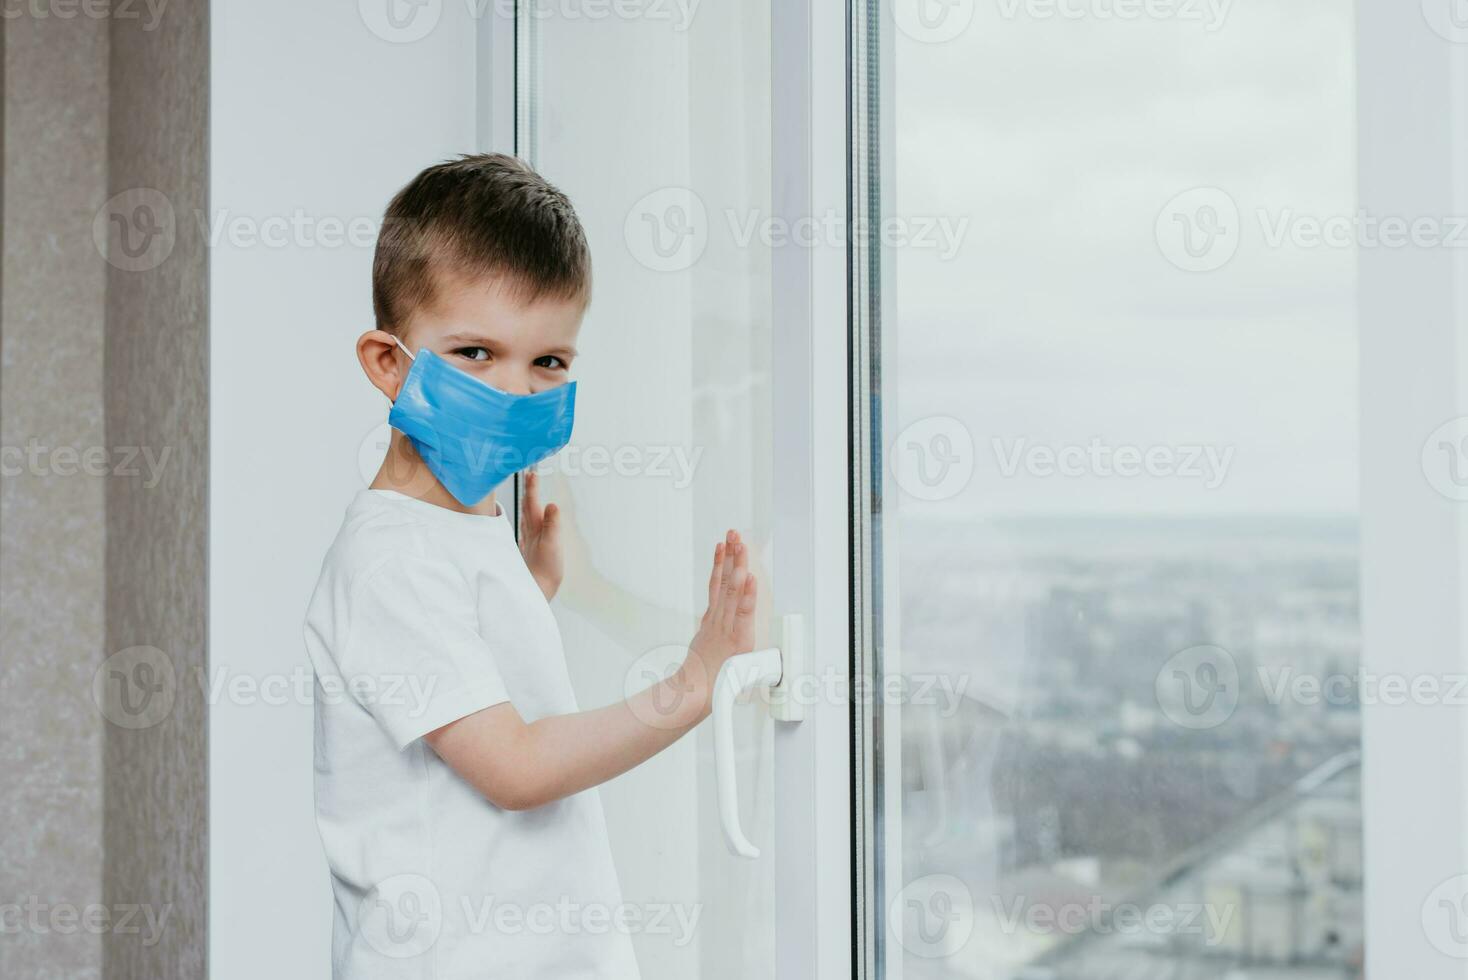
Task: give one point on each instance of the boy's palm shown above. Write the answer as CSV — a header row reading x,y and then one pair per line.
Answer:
x,y
540,537
727,627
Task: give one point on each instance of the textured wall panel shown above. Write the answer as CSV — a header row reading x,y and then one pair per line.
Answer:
x,y
51,508
157,397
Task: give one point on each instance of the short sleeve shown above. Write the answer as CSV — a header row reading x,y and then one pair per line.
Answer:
x,y
414,657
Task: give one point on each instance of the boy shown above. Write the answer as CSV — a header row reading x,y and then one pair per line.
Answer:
x,y
454,771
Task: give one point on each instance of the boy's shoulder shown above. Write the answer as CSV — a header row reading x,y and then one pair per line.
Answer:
x,y
387,537
374,533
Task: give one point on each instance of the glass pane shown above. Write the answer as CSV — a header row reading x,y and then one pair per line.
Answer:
x,y
1117,508
658,129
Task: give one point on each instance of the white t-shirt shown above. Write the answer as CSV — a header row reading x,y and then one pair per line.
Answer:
x,y
421,616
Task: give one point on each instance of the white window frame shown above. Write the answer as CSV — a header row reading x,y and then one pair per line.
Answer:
x,y
812,760
1412,99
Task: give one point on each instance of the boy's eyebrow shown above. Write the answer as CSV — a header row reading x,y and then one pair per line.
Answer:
x,y
470,338
482,341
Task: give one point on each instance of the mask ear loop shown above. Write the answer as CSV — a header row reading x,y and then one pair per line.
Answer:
x,y
411,356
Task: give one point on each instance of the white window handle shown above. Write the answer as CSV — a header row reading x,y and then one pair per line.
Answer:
x,y
774,668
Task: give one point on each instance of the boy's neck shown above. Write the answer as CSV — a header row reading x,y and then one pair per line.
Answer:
x,y
403,471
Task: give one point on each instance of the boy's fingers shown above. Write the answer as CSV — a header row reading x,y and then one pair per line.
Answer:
x,y
741,555
733,577
747,598
716,577
744,612
530,506
551,520
736,589
726,572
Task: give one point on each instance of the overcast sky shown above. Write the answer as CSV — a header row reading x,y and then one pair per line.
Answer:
x,y
1060,319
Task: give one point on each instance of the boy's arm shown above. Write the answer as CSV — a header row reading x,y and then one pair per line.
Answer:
x,y
519,766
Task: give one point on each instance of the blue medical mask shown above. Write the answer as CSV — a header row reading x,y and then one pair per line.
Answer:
x,y
474,436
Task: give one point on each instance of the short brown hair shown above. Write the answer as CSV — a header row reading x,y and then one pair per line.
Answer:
x,y
480,215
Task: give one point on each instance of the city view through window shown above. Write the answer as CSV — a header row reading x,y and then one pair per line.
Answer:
x,y
1119,501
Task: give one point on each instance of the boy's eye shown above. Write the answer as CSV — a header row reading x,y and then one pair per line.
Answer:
x,y
473,353
550,361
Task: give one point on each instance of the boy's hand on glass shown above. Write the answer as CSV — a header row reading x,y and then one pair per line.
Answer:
x,y
727,627
540,537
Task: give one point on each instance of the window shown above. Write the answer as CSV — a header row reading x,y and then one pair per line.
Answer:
x,y
666,157
1105,393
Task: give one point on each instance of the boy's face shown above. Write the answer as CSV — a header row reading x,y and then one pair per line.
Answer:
x,y
518,346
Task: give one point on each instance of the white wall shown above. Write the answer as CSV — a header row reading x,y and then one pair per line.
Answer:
x,y
313,117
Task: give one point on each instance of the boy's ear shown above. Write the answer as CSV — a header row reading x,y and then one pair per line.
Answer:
x,y
378,354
